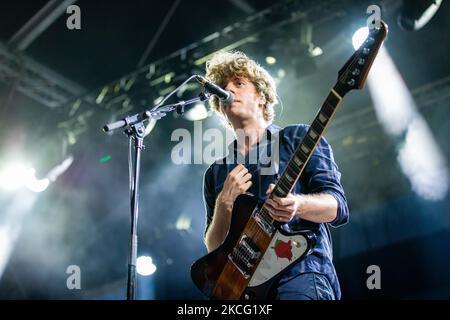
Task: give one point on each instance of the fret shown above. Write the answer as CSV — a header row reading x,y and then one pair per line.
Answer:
x,y
299,153
289,174
305,149
310,143
283,186
313,135
327,109
317,126
299,162
289,177
334,98
265,216
293,169
322,118
295,166
337,95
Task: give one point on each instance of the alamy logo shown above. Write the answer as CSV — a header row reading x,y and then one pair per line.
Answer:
x,y
74,280
74,20
374,280
192,150
373,21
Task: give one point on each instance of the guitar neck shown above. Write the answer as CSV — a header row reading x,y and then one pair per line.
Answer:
x,y
305,149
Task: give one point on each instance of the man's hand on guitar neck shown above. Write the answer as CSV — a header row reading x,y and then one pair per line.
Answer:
x,y
319,208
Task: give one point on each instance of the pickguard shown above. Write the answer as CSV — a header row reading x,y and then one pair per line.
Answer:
x,y
282,252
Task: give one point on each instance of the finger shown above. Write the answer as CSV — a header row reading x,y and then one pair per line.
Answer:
x,y
246,177
241,172
238,168
276,212
270,188
279,217
284,202
274,205
244,187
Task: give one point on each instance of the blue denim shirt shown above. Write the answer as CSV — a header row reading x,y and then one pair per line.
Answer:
x,y
320,175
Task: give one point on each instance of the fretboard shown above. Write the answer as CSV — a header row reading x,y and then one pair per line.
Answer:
x,y
305,149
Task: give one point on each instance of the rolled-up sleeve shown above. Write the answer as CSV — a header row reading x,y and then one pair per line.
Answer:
x,y
322,176
209,197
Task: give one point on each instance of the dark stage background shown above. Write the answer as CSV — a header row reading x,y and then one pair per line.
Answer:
x,y
58,87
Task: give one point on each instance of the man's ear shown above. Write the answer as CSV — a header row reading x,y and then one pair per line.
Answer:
x,y
262,100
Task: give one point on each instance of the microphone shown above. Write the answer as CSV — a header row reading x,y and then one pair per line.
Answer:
x,y
226,97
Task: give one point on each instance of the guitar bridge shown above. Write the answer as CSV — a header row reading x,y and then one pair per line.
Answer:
x,y
245,255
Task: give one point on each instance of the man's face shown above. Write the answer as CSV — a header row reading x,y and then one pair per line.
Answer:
x,y
247,103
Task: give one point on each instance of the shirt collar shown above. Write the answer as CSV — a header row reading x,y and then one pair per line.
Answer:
x,y
271,129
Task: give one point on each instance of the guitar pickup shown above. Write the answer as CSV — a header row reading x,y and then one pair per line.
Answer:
x,y
244,255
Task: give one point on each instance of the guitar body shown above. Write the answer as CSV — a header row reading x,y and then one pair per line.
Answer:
x,y
219,277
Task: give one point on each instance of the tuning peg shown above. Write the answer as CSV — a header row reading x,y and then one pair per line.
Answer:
x,y
355,72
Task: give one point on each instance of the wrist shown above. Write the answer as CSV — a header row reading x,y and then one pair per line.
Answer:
x,y
301,201
224,202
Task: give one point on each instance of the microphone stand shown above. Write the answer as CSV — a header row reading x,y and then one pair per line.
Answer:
x,y
135,130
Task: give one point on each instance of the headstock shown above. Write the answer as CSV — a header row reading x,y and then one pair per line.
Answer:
x,y
354,73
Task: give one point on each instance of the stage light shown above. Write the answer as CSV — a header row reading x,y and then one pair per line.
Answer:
x,y
53,174
419,156
271,60
145,266
18,175
105,158
197,112
315,51
158,100
281,73
183,223
422,162
34,184
13,176
359,36
417,13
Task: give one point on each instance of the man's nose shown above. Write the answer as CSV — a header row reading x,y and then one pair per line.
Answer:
x,y
231,88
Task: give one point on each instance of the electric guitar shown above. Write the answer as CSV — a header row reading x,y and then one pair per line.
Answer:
x,y
258,249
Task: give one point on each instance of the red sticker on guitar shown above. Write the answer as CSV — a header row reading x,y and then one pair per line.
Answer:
x,y
283,249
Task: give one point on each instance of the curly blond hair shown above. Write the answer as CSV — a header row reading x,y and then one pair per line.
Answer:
x,y
226,66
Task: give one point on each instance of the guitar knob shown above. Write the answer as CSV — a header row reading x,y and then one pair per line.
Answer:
x,y
361,61
366,51
355,72
351,82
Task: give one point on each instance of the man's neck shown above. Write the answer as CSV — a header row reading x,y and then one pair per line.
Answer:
x,y
248,133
